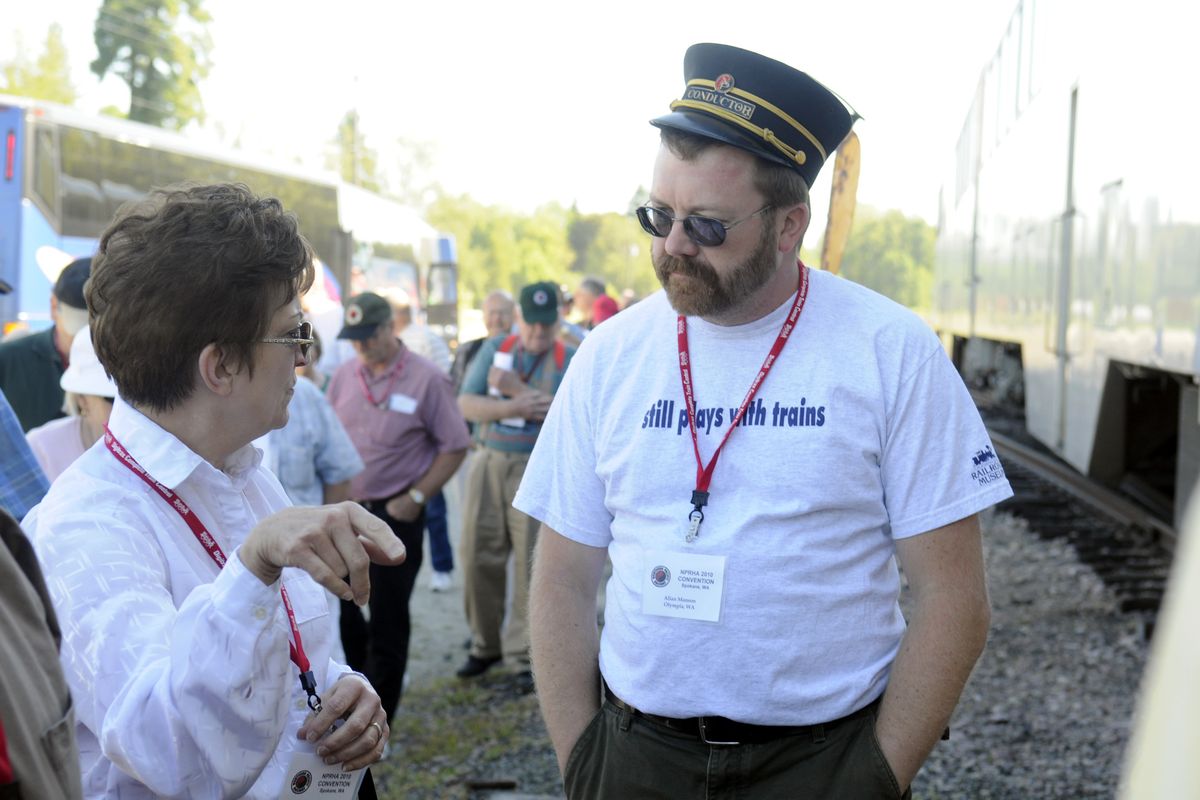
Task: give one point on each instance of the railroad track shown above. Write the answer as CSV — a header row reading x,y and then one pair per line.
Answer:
x,y
1126,546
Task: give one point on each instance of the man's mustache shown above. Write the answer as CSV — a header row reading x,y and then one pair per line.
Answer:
x,y
669,265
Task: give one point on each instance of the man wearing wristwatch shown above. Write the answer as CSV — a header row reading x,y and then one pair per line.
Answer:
x,y
401,414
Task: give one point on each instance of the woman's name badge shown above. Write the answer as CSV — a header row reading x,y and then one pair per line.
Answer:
x,y
309,776
683,585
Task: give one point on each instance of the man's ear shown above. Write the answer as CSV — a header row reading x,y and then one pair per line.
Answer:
x,y
216,372
795,224
53,308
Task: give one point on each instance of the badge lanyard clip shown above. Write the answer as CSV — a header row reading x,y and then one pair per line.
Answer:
x,y
699,500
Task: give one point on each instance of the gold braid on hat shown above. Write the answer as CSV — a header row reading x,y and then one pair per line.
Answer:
x,y
799,156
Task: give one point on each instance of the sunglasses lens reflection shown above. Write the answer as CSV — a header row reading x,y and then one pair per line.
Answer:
x,y
704,231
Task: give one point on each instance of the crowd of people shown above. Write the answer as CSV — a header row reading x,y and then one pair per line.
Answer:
x,y
205,494
211,510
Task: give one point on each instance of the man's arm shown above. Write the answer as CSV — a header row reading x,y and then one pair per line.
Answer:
x,y
444,465
946,634
564,639
519,399
335,492
478,408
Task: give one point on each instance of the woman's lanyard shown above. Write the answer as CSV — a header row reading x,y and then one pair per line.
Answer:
x,y
296,647
394,373
704,474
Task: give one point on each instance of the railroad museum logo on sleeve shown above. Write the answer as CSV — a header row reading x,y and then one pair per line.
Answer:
x,y
987,467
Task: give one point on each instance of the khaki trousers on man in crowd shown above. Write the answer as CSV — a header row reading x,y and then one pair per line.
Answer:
x,y
492,531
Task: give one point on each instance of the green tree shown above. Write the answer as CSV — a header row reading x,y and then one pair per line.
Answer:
x,y
893,255
613,247
351,158
409,172
501,249
48,78
160,48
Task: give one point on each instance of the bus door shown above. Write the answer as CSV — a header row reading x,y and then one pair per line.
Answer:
x,y
13,138
441,291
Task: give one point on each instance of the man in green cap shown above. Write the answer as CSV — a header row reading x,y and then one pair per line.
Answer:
x,y
507,392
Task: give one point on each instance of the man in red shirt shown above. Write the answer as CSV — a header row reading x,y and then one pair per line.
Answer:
x,y
401,414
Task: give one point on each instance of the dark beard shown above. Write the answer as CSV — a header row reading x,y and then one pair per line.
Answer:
x,y
706,294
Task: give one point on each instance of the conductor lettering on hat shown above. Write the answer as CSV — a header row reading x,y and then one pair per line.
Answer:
x,y
778,440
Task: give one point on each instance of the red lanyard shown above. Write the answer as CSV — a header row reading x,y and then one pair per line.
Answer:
x,y
394,373
704,473
295,647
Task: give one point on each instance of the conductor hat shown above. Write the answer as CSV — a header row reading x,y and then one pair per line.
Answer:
x,y
747,100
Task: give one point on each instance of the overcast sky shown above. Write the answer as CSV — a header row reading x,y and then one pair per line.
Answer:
x,y
529,102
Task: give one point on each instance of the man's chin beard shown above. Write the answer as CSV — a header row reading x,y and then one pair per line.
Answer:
x,y
698,298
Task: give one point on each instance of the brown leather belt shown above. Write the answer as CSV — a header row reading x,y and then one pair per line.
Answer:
x,y
722,731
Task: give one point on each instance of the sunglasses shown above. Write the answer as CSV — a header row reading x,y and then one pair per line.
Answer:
x,y
297,337
704,231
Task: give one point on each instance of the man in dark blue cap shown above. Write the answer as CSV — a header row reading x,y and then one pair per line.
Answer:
x,y
31,366
755,494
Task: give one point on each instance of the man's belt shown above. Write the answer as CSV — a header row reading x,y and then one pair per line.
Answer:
x,y
722,731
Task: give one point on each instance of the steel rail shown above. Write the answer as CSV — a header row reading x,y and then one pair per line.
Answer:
x,y
1104,500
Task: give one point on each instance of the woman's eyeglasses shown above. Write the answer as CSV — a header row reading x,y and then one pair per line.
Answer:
x,y
704,231
297,337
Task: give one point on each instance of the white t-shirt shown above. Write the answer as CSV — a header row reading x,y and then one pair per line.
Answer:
x,y
179,671
861,434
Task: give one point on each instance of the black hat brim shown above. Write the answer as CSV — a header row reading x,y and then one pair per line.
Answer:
x,y
357,333
707,126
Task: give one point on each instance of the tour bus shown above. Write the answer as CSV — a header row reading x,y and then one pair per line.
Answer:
x,y
65,173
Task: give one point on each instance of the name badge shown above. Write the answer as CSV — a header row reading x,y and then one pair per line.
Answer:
x,y
402,403
309,776
683,585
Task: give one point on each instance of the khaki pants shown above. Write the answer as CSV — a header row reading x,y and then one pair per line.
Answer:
x,y
492,531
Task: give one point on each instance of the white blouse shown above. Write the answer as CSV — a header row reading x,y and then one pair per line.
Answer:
x,y
179,671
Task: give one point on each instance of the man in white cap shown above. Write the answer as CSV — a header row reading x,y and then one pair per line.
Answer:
x,y
31,366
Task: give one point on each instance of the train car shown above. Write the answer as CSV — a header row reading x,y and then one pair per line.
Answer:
x,y
1067,280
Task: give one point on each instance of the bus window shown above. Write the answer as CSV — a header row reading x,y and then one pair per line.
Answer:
x,y
84,211
45,171
443,285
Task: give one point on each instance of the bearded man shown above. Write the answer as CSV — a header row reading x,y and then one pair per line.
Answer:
x,y
752,639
